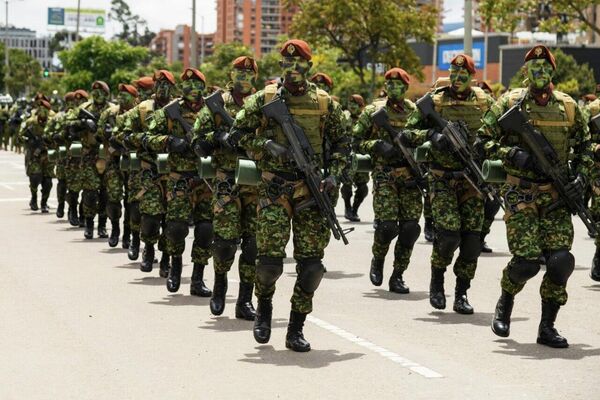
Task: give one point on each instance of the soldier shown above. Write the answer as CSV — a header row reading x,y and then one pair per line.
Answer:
x,y
283,188
38,168
85,129
396,196
4,116
18,113
532,230
234,206
113,177
592,110
145,87
187,195
356,105
456,205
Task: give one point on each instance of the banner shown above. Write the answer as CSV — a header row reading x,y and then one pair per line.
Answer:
x,y
89,19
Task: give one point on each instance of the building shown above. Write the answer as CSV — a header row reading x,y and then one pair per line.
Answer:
x,y
176,44
27,41
255,23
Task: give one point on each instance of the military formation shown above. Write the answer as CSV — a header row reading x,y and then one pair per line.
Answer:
x,y
248,168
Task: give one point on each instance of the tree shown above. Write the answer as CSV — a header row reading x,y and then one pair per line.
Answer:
x,y
25,72
367,32
131,24
96,59
570,77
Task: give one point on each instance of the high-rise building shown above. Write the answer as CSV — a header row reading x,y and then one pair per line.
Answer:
x,y
255,23
26,40
176,44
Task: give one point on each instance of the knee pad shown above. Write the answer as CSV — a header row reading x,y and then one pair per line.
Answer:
x,y
386,231
521,270
134,212
36,179
223,249
176,231
46,184
310,274
203,234
448,242
559,266
346,191
268,270
409,233
113,210
89,198
150,225
470,246
249,250
362,191
490,209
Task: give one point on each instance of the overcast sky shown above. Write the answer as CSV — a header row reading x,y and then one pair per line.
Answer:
x,y
160,14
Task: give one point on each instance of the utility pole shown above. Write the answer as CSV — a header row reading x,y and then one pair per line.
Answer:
x,y
202,40
194,58
78,15
6,66
468,40
435,46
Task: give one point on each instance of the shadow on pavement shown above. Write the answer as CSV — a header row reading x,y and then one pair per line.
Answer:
x,y
341,275
287,358
131,265
182,300
452,318
593,287
534,351
226,324
59,221
581,268
156,280
93,240
387,295
495,254
114,250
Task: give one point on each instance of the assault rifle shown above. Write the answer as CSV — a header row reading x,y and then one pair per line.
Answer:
x,y
304,157
457,133
216,105
516,121
173,112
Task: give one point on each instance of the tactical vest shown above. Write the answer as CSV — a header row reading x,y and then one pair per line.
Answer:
x,y
554,120
470,111
146,108
397,119
308,110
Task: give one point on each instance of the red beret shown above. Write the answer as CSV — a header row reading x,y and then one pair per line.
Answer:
x,y
192,73
45,104
101,85
358,99
464,61
145,82
79,93
541,52
164,74
40,96
397,73
245,62
69,96
123,87
590,97
296,48
320,77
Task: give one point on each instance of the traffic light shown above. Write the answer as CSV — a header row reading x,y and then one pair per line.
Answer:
x,y
46,73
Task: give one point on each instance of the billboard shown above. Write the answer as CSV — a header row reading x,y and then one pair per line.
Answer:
x,y
89,19
447,51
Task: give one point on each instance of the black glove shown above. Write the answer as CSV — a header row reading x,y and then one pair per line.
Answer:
x,y
385,149
405,141
115,144
176,144
276,150
522,159
128,142
74,134
438,140
224,139
57,137
329,184
203,148
576,188
90,125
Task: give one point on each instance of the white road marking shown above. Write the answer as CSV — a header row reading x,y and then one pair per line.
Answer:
x,y
15,199
390,355
6,186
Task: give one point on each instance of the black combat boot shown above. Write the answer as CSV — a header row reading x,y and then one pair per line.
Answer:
x,y
102,227
72,212
376,272
147,258
294,339
165,264
484,247
547,333
33,202
461,302
126,240
197,286
437,297
134,247
504,307
243,306
428,229
60,209
174,278
346,192
44,206
358,199
262,323
89,228
81,217
397,284
217,301
115,232
595,272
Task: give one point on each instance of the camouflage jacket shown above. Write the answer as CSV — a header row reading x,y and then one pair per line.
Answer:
x,y
132,127
89,140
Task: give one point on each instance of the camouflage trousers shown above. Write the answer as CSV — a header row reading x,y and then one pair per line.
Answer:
x,y
427,213
152,202
72,174
188,197
276,221
595,202
94,190
394,200
234,209
455,207
530,232
134,187
113,181
4,135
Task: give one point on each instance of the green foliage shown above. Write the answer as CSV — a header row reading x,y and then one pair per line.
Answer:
x,y
570,87
25,72
131,24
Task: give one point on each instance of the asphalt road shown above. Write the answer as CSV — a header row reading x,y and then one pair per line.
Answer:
x,y
80,321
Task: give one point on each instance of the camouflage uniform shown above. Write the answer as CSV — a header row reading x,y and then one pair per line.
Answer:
x,y
592,110
54,136
357,179
396,196
4,131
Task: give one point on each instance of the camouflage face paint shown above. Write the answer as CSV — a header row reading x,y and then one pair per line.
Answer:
x,y
243,80
192,90
539,73
295,69
460,78
396,89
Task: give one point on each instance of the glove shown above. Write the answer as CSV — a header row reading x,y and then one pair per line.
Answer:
x,y
176,144
57,138
275,149
90,125
128,142
522,159
202,148
576,188
329,184
439,141
74,134
405,141
385,149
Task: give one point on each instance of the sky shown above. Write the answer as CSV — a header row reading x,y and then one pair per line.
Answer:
x,y
160,14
